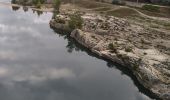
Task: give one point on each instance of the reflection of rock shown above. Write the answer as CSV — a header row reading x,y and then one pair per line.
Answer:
x,y
149,65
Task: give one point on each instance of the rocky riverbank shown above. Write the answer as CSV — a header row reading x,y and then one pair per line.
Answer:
x,y
130,45
143,49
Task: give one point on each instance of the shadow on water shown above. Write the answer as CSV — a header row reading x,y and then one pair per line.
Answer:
x,y
73,45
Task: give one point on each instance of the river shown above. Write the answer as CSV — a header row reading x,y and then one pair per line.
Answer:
x,y
37,63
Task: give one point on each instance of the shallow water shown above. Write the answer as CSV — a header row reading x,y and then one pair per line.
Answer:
x,y
36,63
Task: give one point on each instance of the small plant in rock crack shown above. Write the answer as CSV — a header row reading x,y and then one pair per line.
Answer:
x,y
128,49
113,48
76,21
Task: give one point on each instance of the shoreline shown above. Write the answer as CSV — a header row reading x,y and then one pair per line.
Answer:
x,y
131,45
144,71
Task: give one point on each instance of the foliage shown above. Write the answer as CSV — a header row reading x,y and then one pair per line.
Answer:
x,y
56,4
35,2
38,4
118,2
76,21
113,47
13,1
151,8
128,49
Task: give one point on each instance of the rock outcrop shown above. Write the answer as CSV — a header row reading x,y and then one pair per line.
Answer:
x,y
130,45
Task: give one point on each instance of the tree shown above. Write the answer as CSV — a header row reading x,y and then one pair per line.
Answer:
x,y
56,4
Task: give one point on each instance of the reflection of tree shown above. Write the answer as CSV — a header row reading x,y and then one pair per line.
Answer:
x,y
54,14
72,45
25,9
15,8
39,13
13,1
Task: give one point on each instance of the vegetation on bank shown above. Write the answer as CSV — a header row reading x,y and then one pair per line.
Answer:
x,y
76,21
56,4
118,2
151,8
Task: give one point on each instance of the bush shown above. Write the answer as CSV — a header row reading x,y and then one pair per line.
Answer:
x,y
56,4
118,2
35,2
38,5
151,8
113,48
76,21
128,49
13,1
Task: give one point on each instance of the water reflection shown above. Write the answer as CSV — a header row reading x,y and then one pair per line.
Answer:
x,y
25,8
39,13
15,8
37,64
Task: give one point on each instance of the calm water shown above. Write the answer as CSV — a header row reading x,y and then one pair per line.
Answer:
x,y
37,63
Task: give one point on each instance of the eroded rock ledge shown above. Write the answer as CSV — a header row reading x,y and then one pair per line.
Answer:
x,y
130,45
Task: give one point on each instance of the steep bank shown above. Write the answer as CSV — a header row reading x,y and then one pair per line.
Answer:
x,y
130,45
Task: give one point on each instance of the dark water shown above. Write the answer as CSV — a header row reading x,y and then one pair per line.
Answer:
x,y
37,63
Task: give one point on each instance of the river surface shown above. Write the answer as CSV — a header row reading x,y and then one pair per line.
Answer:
x,y
37,63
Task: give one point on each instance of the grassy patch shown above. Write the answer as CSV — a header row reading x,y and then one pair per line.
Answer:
x,y
163,12
113,48
88,4
151,8
122,12
118,2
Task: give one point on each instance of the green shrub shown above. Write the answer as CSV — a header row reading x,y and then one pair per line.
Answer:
x,y
113,48
151,8
76,21
56,4
128,49
38,5
118,2
13,1
35,2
